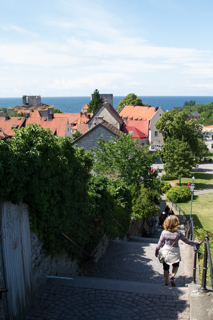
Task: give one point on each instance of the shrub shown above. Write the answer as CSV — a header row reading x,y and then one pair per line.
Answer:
x,y
165,186
179,194
169,176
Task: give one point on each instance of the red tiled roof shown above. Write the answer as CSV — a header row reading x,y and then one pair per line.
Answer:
x,y
3,135
137,134
137,112
143,125
82,127
85,106
56,125
6,125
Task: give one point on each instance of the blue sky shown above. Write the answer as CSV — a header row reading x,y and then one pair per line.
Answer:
x,y
72,47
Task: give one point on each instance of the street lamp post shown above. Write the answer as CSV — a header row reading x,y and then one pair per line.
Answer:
x,y
192,187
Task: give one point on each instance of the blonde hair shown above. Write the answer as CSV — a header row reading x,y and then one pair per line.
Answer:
x,y
171,223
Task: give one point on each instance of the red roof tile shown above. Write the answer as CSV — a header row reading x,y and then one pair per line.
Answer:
x,y
8,125
56,125
137,113
143,125
137,134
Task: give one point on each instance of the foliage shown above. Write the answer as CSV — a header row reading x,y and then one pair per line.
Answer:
x,y
56,110
165,186
95,103
178,158
20,114
175,124
53,179
121,158
169,176
76,135
202,149
130,100
190,103
144,205
4,110
205,111
179,194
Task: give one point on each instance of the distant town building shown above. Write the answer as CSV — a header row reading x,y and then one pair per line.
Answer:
x,y
106,97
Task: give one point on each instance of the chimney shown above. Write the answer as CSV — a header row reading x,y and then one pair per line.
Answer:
x,y
7,117
50,116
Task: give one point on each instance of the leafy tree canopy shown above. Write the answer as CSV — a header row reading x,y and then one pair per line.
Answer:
x,y
20,114
175,125
95,103
4,110
76,135
56,110
205,111
121,158
178,157
190,103
130,100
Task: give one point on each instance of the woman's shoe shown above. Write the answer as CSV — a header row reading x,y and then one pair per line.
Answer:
x,y
172,280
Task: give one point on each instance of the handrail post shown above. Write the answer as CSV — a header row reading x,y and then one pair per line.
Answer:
x,y
194,268
203,285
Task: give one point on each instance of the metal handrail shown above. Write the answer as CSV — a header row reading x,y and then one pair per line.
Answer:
x,y
207,256
207,253
85,252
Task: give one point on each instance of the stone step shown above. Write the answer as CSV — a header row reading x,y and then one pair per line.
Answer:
x,y
143,239
120,285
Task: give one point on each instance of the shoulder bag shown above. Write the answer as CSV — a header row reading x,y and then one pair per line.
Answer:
x,y
162,254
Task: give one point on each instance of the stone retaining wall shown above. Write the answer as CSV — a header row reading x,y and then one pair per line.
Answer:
x,y
2,286
43,265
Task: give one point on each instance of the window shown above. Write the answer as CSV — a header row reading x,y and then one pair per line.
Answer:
x,y
131,118
156,133
212,137
212,146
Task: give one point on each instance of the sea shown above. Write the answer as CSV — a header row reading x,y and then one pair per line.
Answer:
x,y
74,104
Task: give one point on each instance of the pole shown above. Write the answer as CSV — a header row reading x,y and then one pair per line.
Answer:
x,y
191,205
203,285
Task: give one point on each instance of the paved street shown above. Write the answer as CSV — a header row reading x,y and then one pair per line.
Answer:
x,y
127,283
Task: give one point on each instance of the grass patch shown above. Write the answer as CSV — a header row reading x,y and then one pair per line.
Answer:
x,y
201,211
202,180
203,221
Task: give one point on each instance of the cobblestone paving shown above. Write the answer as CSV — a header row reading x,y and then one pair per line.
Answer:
x,y
69,303
133,262
126,284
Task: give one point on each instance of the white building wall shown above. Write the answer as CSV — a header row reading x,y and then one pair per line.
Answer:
x,y
208,138
105,115
155,137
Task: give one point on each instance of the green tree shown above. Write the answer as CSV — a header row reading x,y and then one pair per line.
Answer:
x,y
130,100
190,103
56,110
177,157
144,205
20,114
4,110
76,135
95,103
121,158
175,125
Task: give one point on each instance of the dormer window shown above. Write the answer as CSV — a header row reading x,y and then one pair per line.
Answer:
x,y
131,119
125,118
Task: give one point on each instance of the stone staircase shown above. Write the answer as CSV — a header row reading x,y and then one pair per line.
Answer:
x,y
126,283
